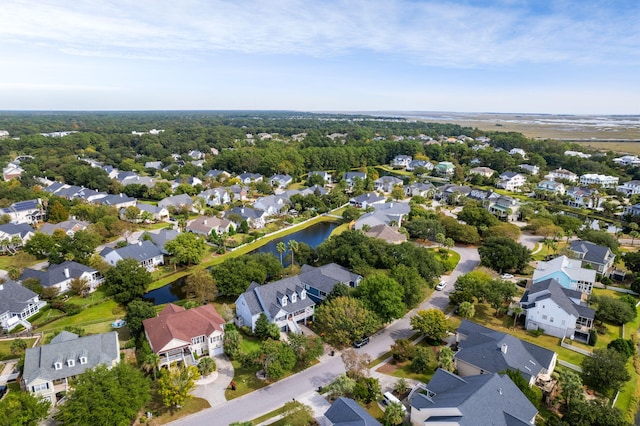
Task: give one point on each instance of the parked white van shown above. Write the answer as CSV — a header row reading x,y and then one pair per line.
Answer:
x,y
389,398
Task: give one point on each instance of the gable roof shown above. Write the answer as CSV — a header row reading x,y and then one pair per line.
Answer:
x,y
592,252
386,233
57,274
347,412
161,237
143,250
483,349
98,349
472,395
67,225
551,289
21,229
570,267
175,322
14,297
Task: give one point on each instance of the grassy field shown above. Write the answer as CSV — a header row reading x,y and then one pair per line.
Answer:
x,y
621,147
106,311
5,348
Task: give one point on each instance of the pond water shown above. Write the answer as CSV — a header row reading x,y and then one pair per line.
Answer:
x,y
313,236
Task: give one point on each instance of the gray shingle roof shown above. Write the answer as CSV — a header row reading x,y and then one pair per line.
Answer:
x,y
56,274
143,250
347,412
551,289
21,229
592,252
14,297
482,348
472,395
98,348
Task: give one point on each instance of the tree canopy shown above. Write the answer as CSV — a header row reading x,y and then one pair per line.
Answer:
x,y
127,281
503,254
344,319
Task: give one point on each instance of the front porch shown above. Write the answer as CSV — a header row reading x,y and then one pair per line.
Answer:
x,y
183,355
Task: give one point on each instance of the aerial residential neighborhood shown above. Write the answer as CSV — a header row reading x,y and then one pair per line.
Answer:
x,y
414,289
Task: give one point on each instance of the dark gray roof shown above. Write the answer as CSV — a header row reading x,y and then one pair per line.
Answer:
x,y
55,274
482,348
98,348
143,250
353,175
592,252
508,175
245,212
162,237
551,289
369,197
14,297
347,412
215,173
325,277
176,200
114,200
21,229
472,396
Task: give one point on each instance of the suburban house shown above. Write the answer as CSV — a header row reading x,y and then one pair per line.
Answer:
x,y
205,225
451,193
531,169
217,174
582,197
181,201
629,188
12,171
326,176
511,181
145,252
562,174
366,200
518,151
69,227
272,204
577,154
17,304
280,181
425,190
386,183
599,258
632,210
482,350
384,214
559,311
157,213
195,154
386,233
551,186
350,177
156,165
29,211
505,208
445,168
161,237
13,236
401,161
347,412
291,300
627,160
49,369
482,171
601,180
255,218
484,197
216,196
60,276
415,164
568,272
247,178
177,334
118,200
483,399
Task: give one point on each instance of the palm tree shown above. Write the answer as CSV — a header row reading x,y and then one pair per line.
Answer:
x,y
281,248
634,235
150,363
293,247
516,313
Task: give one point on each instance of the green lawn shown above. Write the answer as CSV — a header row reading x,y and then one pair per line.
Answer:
x,y
5,348
103,312
246,381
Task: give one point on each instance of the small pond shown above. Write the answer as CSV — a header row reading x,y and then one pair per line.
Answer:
x,y
313,236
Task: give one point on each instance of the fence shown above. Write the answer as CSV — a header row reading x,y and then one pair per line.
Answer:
x,y
575,349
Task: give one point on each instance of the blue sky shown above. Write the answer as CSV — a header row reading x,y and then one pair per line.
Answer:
x,y
555,56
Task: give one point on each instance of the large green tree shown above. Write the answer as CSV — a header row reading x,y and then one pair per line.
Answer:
x,y
201,286
138,311
187,248
127,281
605,370
382,295
105,397
432,323
502,254
176,383
345,319
20,408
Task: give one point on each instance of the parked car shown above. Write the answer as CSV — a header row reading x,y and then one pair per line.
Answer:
x,y
441,285
507,276
3,390
361,342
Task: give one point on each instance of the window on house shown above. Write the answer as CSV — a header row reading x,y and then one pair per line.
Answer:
x,y
544,317
294,298
83,360
39,387
284,301
71,363
303,295
551,319
58,365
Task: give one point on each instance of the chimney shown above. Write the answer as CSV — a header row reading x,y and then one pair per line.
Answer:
x,y
500,391
205,221
242,210
504,348
66,272
390,205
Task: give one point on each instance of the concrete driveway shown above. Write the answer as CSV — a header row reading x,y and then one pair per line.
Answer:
x,y
213,389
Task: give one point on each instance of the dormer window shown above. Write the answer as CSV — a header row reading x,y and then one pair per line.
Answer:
x,y
71,362
58,365
294,298
303,294
284,300
83,360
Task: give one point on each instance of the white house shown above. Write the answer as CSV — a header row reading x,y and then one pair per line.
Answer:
x,y
518,151
559,311
17,304
145,252
532,170
216,196
255,218
445,168
350,177
601,180
29,211
482,171
577,154
627,160
180,335
505,208
49,369
511,181
551,186
386,183
280,181
582,197
326,176
629,188
60,276
401,161
205,225
562,174
569,273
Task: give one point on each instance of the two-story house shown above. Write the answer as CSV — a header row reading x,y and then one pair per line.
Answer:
x,y
529,168
552,187
180,201
49,369
505,208
482,171
205,225
599,258
568,272
601,180
280,181
390,214
326,176
562,174
17,304
401,161
69,227
29,211
445,168
415,164
629,188
511,181
386,183
559,311
177,334
216,196
145,252
14,236
351,177
247,178
255,218
426,190
366,200
584,198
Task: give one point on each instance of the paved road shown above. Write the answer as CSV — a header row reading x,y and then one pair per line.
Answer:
x,y
269,398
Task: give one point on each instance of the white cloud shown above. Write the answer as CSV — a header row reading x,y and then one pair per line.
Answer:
x,y
428,32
